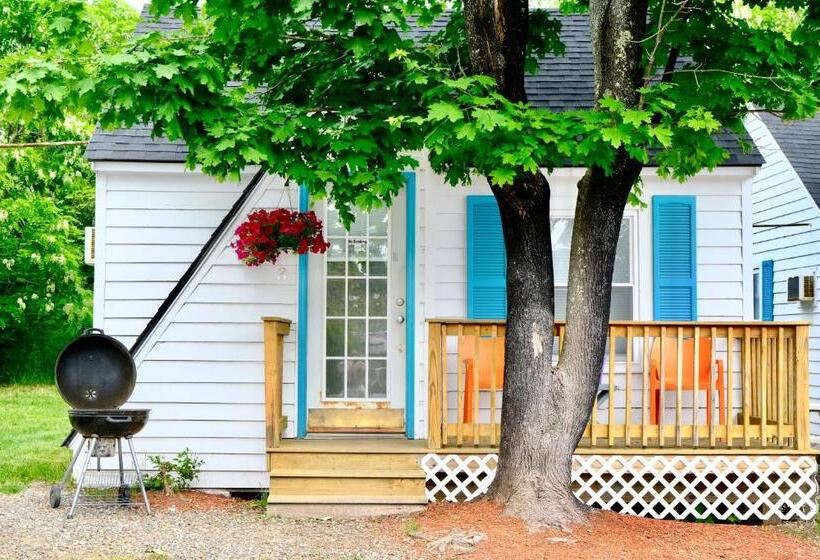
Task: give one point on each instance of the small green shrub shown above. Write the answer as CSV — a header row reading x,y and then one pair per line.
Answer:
x,y
174,474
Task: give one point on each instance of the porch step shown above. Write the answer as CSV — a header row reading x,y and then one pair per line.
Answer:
x,y
351,471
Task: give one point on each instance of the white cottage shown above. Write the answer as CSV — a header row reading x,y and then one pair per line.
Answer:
x,y
371,374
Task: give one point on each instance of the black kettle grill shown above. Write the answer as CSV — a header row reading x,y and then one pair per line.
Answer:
x,y
96,374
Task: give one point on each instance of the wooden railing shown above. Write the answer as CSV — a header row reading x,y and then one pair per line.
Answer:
x,y
275,331
757,373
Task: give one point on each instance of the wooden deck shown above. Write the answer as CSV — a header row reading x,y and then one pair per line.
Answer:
x,y
750,391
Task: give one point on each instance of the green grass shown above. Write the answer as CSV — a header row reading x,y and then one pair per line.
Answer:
x,y
33,423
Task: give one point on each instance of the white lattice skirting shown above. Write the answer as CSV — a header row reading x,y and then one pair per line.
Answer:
x,y
664,487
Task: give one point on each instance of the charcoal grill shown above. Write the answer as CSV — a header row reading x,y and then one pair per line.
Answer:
x,y
96,374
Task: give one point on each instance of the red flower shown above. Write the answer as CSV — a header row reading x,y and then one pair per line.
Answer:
x,y
265,234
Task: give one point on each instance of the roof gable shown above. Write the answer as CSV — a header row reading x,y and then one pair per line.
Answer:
x,y
800,143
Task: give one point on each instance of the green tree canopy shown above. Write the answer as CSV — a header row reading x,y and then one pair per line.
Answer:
x,y
47,194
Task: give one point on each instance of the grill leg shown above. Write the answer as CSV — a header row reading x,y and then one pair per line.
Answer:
x,y
119,456
139,475
74,458
81,479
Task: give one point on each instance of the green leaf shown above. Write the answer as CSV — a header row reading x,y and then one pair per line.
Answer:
x,y
466,131
636,117
166,71
488,119
443,110
502,176
615,136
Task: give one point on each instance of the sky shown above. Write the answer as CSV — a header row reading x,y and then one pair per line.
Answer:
x,y
138,4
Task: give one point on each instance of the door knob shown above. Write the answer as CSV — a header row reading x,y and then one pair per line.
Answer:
x,y
400,319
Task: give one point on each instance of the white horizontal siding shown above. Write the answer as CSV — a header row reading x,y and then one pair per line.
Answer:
x,y
202,371
779,197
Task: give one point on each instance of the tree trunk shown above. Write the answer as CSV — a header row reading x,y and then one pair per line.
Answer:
x,y
545,409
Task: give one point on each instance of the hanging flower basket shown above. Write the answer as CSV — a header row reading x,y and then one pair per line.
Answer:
x,y
268,233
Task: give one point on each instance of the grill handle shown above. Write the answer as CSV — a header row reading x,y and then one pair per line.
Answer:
x,y
118,419
93,330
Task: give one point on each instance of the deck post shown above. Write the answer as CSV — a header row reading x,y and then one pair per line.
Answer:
x,y
434,361
275,331
801,387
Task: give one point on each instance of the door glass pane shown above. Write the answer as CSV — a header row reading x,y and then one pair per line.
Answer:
x,y
377,336
355,337
357,272
377,378
356,304
335,298
357,257
335,338
356,379
336,257
335,376
377,224
378,298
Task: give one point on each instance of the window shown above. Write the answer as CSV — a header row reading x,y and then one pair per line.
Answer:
x,y
756,293
622,277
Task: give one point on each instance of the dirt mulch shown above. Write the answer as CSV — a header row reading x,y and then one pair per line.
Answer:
x,y
609,535
193,500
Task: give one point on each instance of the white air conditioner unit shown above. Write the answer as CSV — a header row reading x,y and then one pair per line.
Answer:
x,y
801,288
90,244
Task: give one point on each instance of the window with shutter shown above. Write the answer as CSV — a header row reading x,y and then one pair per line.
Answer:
x,y
486,263
486,260
674,254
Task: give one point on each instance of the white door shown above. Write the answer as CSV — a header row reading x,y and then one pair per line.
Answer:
x,y
357,313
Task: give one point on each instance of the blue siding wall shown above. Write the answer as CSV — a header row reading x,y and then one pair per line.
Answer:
x,y
674,258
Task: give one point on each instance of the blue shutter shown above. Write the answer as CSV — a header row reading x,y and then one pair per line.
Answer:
x,y
486,260
767,290
674,255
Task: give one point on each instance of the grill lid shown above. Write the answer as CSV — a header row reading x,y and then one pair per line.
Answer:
x,y
95,371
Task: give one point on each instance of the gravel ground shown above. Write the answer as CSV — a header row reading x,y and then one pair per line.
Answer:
x,y
29,529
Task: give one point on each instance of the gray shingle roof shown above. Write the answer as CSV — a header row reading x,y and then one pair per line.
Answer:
x,y
800,142
562,83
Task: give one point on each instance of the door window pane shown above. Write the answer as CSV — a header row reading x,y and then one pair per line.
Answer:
x,y
335,298
356,379
356,292
377,379
355,337
335,378
335,339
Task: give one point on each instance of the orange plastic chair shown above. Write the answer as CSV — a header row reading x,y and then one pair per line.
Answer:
x,y
486,347
670,373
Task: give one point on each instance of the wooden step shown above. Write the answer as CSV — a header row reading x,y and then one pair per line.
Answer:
x,y
369,445
344,462
340,489
347,471
333,473
375,420
274,499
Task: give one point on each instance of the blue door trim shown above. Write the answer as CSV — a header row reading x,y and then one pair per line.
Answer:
x,y
410,348
302,333
410,302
